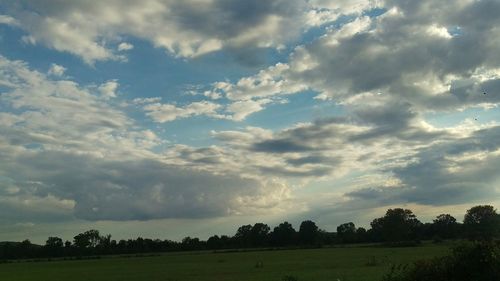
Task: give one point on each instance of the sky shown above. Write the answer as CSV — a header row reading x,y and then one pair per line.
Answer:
x,y
170,118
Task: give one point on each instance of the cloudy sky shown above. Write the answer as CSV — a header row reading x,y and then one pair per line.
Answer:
x,y
168,118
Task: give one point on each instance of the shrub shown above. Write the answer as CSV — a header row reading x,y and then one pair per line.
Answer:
x,y
289,278
468,262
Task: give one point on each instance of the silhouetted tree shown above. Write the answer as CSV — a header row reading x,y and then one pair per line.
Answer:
x,y
88,239
445,226
283,235
308,233
213,242
482,222
259,234
243,235
189,243
54,246
54,242
361,235
347,232
397,225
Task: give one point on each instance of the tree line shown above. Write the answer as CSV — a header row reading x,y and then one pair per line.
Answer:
x,y
398,227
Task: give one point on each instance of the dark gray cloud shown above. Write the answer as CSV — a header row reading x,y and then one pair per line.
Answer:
x,y
366,124
183,28
228,18
392,120
96,165
280,146
385,72
311,159
453,172
284,171
127,190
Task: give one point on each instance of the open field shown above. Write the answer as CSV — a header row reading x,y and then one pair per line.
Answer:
x,y
332,264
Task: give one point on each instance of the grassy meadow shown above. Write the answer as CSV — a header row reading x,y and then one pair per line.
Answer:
x,y
332,264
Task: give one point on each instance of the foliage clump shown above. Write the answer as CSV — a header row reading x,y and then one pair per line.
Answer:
x,y
477,261
289,278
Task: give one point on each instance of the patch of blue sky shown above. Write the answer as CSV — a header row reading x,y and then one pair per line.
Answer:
x,y
451,119
40,58
375,12
300,107
152,72
314,33
193,131
455,30
148,71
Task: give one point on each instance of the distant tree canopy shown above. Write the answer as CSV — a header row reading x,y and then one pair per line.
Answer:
x,y
482,222
397,225
347,232
88,239
283,235
308,233
445,226
54,242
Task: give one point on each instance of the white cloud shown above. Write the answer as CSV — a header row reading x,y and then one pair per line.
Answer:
x,y
124,46
168,112
8,20
385,73
146,100
68,153
56,70
108,89
186,29
346,6
241,109
411,58
268,82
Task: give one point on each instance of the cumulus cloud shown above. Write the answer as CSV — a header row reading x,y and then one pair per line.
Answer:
x,y
183,28
168,112
56,70
268,82
70,154
241,109
8,20
124,46
235,111
411,53
386,73
132,190
108,89
453,172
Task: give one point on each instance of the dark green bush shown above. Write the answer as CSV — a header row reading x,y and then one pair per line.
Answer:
x,y
289,278
478,261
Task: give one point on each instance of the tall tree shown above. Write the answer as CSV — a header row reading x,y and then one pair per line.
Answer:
x,y
259,234
445,226
54,246
397,225
283,234
308,233
347,232
54,242
243,235
88,239
482,222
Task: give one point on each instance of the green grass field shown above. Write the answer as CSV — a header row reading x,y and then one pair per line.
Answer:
x,y
332,264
